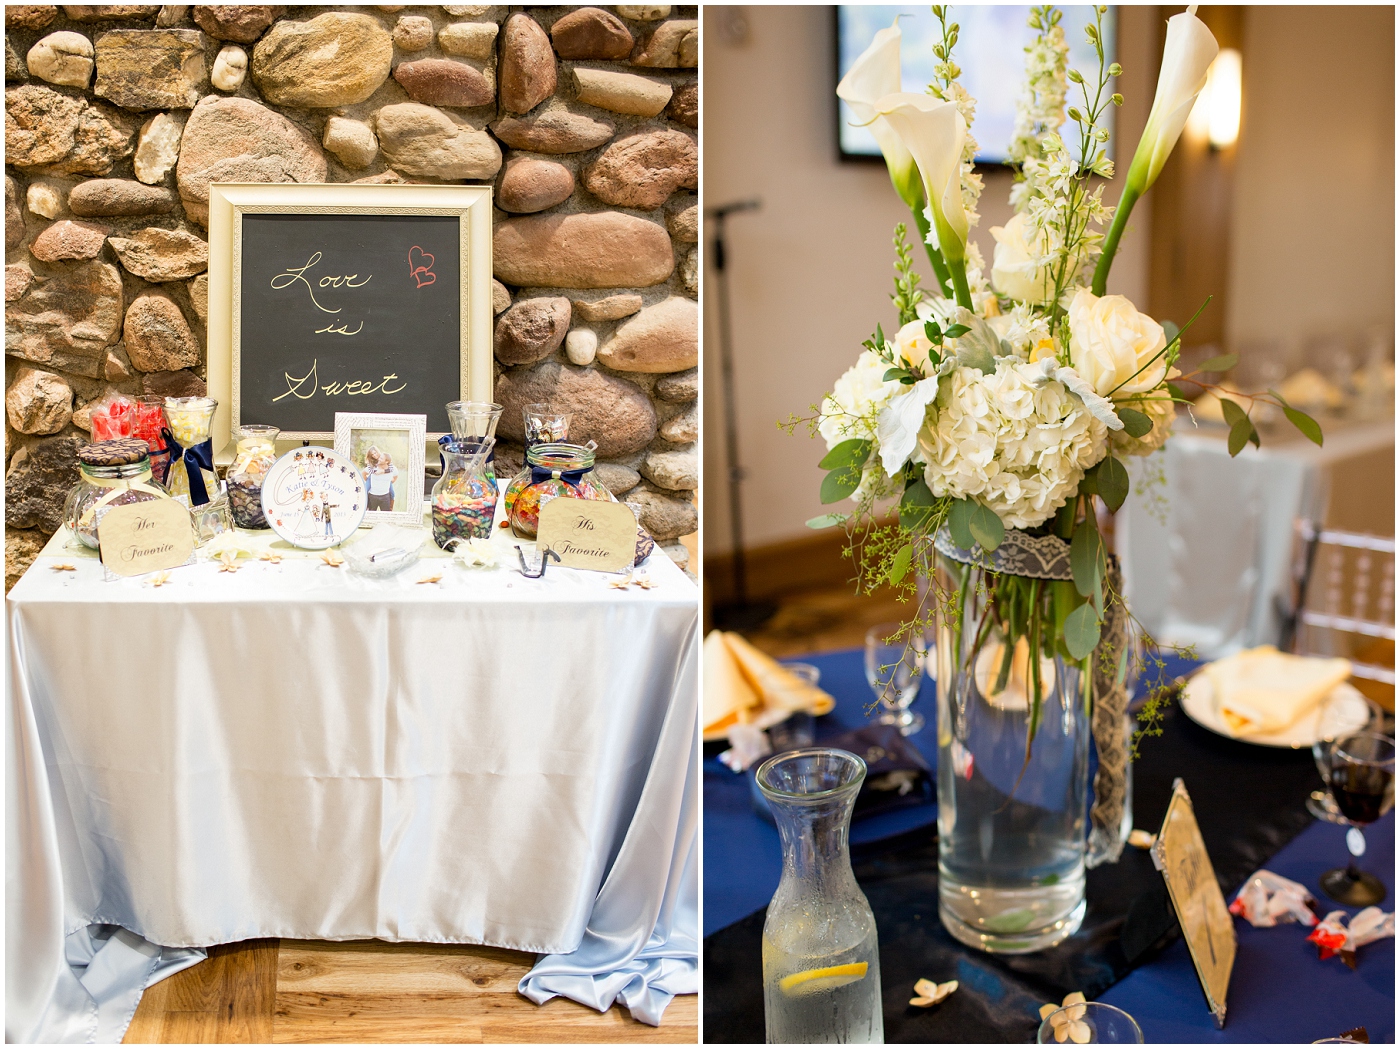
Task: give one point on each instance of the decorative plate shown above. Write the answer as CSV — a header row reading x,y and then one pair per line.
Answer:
x,y
314,497
1350,713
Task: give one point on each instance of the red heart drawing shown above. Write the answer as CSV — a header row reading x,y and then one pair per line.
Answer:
x,y
423,272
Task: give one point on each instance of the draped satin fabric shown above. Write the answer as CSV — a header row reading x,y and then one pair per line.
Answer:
x,y
293,752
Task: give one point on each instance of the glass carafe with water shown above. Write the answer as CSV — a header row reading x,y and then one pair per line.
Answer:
x,y
464,498
821,956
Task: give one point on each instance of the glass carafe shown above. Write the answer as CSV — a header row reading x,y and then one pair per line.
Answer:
x,y
464,498
257,451
472,422
191,470
821,955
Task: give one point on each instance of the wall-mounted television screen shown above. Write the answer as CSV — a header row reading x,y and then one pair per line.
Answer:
x,y
991,52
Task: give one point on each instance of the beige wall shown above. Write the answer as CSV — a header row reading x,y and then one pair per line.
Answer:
x,y
1313,232
811,273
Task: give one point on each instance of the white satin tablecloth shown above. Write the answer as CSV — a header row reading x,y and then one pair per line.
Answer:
x,y
292,751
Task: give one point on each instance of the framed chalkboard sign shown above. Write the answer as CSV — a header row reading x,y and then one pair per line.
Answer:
x,y
346,298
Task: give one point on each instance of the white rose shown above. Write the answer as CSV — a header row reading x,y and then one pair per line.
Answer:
x,y
912,345
1113,346
1022,266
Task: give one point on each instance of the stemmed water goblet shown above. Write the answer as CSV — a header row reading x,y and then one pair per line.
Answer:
x,y
894,670
1362,778
1343,712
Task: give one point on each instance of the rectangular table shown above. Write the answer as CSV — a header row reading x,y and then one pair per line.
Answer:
x,y
293,751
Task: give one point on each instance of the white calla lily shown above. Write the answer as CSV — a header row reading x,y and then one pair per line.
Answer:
x,y
875,74
933,132
1189,51
900,421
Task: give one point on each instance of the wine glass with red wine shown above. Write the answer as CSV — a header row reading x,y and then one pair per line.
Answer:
x,y
1363,786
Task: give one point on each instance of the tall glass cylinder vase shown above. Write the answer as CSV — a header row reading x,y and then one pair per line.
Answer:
x,y
1012,772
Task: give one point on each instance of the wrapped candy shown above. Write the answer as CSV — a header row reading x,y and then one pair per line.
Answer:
x,y
1334,935
1267,899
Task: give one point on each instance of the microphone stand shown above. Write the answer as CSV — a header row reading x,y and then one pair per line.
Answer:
x,y
739,613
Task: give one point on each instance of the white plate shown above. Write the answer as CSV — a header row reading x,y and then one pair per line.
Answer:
x,y
1350,713
306,484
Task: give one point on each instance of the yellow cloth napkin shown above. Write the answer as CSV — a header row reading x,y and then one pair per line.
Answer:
x,y
744,686
1265,690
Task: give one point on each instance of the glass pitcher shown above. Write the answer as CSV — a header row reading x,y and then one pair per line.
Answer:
x,y
464,498
821,956
191,470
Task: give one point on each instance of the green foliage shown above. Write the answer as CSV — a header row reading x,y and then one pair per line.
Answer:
x,y
1135,423
1304,422
907,295
1223,363
986,527
827,521
917,507
1087,558
848,453
899,567
1082,631
1111,481
960,523
1242,429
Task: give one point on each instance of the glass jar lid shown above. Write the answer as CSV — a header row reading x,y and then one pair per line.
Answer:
x,y
561,456
120,451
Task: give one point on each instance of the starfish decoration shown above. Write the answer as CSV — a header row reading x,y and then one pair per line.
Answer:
x,y
1067,1019
275,559
621,584
642,581
333,559
160,579
930,993
431,579
228,561
64,568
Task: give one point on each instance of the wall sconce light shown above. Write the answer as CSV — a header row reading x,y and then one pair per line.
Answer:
x,y
1223,86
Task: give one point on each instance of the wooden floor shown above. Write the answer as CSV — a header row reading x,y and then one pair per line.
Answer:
x,y
824,619
299,991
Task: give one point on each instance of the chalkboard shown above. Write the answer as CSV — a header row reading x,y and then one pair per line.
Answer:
x,y
347,298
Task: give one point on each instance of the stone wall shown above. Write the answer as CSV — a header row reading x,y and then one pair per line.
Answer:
x,y
583,120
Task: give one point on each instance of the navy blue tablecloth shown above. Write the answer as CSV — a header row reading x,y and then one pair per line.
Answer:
x,y
1280,991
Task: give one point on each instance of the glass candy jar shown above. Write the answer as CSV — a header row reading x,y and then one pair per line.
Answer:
x,y
464,498
551,470
113,473
191,470
257,451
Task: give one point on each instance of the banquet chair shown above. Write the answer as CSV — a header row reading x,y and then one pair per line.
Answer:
x,y
1343,602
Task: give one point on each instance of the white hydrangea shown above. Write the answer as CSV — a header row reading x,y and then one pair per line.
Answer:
x,y
1158,407
1018,448
849,411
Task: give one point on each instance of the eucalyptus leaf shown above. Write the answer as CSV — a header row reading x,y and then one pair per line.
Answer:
x,y
899,568
848,453
986,527
959,523
1233,412
827,520
1305,423
1223,363
1177,392
1135,423
1086,558
1239,437
1112,482
1082,631
840,484
916,506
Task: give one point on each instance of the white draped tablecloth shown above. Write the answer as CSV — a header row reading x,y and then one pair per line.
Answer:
x,y
293,751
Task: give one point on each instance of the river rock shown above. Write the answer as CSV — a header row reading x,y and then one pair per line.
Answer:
x,y
469,39
199,297
622,92
684,222
527,72
14,218
674,44
18,279
685,105
110,12
183,383
616,477
118,365
643,12
663,516
677,471
413,32
230,67
15,68
38,401
238,140
605,408
351,141
662,338
529,185
500,296
420,140
62,58
151,68
22,547
531,330
600,250
158,148
581,346
335,59
160,255
556,131
47,199
442,82
171,15
158,338
38,481
64,135
240,23
101,197
67,321
643,169
608,308
29,16
690,270
68,240
591,32
682,428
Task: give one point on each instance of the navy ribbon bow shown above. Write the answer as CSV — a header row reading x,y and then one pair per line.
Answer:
x,y
544,473
197,458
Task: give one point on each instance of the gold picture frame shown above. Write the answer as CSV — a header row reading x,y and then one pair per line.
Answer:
x,y
230,202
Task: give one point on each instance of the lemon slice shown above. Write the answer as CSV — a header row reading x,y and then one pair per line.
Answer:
x,y
813,981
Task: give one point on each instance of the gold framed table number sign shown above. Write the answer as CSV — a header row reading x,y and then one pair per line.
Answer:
x,y
1180,854
347,298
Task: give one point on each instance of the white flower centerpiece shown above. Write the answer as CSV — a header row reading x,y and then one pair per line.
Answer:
x,y
996,420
